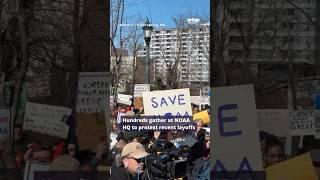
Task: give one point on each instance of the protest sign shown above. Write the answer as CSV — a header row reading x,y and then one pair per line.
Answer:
x,y
297,168
274,121
91,128
196,100
32,166
46,119
6,125
124,99
140,88
235,127
138,102
93,92
202,115
167,103
302,122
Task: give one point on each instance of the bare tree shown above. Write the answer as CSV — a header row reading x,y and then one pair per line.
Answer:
x,y
189,42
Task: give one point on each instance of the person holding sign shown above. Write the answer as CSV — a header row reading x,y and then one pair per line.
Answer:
x,y
273,152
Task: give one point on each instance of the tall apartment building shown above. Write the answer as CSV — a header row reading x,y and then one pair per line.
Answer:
x,y
279,30
271,33
188,47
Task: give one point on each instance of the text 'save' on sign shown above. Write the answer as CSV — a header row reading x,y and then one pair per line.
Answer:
x,y
175,102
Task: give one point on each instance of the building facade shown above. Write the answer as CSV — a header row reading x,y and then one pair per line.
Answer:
x,y
184,51
269,35
271,31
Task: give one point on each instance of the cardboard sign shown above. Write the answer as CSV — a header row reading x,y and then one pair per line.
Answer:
x,y
91,128
274,121
235,129
297,168
6,125
47,119
93,92
167,103
32,166
202,115
140,88
138,102
302,122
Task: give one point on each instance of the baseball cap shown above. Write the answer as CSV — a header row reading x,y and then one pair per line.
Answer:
x,y
134,149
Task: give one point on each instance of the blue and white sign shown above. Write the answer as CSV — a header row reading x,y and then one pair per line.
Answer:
x,y
235,129
175,102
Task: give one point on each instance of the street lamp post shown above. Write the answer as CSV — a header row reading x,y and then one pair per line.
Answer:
x,y
147,29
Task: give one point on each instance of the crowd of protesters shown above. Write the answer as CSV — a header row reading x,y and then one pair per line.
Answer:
x,y
61,155
130,149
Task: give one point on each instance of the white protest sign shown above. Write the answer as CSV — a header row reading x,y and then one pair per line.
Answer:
x,y
5,124
274,121
124,99
93,92
175,102
302,122
46,119
140,88
235,129
32,166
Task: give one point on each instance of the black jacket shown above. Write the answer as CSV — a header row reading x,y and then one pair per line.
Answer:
x,y
120,173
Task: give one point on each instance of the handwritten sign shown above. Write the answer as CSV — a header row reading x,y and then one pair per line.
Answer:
x,y
33,166
302,122
93,92
124,99
140,88
46,119
5,124
274,121
235,127
167,103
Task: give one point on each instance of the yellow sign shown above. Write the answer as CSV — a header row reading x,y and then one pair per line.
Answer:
x,y
202,115
298,168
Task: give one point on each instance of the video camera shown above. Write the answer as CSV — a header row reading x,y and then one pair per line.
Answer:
x,y
166,161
